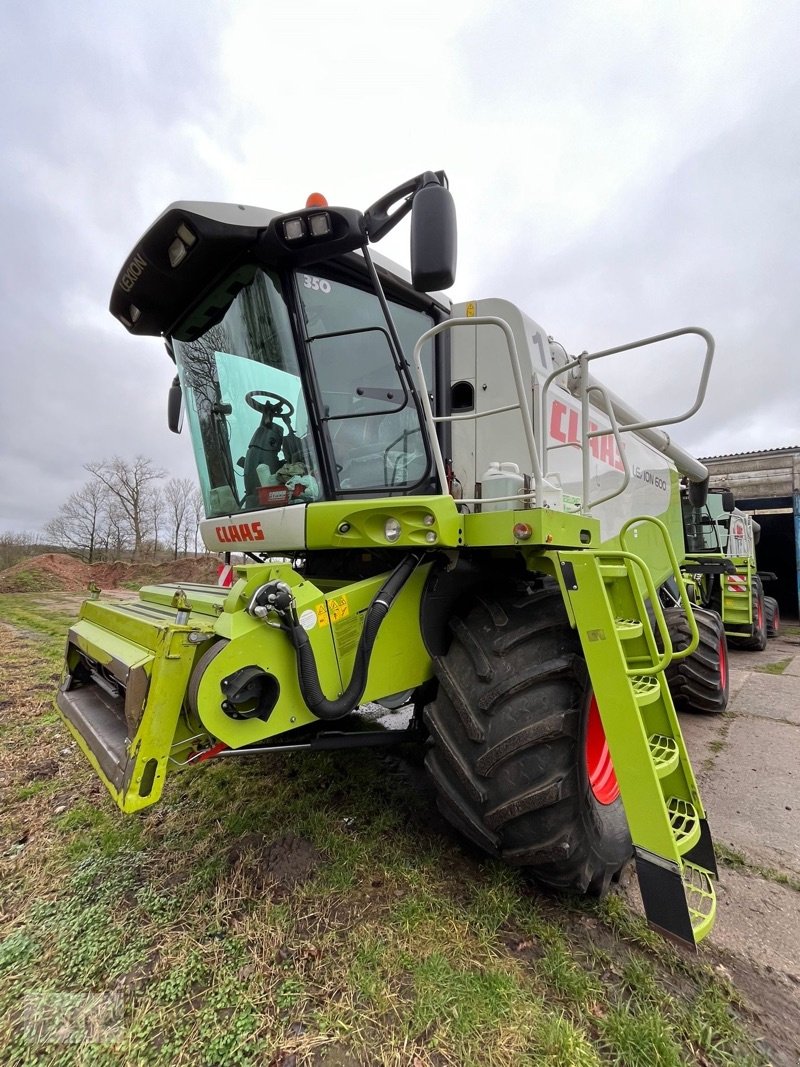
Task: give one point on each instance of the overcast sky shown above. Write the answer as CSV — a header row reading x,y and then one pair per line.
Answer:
x,y
619,170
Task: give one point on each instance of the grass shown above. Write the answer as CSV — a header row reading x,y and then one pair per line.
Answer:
x,y
167,938
738,861
778,667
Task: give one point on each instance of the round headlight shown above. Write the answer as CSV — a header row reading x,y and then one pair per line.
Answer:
x,y
391,530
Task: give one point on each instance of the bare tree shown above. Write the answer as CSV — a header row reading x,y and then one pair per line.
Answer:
x,y
79,520
131,487
177,500
197,513
16,546
156,509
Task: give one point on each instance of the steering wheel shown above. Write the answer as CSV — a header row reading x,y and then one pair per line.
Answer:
x,y
282,411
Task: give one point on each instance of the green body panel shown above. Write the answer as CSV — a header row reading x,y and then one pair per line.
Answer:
x,y
360,523
495,529
334,621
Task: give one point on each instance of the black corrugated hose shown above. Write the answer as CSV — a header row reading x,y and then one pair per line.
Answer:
x,y
307,674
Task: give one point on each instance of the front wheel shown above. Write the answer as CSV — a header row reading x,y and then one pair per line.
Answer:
x,y
700,682
517,750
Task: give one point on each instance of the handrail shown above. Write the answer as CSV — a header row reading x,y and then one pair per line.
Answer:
x,y
584,385
676,573
521,405
626,467
702,384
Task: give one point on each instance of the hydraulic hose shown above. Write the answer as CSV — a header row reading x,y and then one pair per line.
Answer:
x,y
307,674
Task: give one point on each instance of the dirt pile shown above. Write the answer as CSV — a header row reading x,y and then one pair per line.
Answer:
x,y
57,572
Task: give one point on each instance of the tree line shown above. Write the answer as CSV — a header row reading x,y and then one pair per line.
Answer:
x,y
126,510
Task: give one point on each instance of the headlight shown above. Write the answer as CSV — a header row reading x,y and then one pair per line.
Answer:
x,y
391,530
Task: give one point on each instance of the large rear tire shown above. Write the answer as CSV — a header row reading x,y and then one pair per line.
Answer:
x,y
773,613
700,682
517,750
757,642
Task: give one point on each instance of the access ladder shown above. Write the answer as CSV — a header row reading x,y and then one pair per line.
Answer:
x,y
672,842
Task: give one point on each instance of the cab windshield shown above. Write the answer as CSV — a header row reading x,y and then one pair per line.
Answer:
x,y
264,434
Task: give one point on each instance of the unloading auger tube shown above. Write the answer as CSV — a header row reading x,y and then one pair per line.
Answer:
x,y
277,597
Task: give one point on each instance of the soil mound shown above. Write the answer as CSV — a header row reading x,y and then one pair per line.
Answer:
x,y
58,572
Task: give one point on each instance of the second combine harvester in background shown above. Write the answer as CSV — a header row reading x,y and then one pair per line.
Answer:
x,y
468,523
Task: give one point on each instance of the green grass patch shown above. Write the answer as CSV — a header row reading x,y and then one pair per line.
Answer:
x,y
738,861
778,667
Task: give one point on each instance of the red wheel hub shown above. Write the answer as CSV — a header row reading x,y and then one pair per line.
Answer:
x,y
723,663
599,767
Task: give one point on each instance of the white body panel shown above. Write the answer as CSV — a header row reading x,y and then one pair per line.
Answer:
x,y
480,356
257,531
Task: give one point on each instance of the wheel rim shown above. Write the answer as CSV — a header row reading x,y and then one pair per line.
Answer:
x,y
723,664
760,614
599,767
776,620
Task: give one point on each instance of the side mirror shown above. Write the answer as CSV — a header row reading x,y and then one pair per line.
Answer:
x,y
433,239
728,500
175,407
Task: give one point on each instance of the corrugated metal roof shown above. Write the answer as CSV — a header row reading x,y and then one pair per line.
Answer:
x,y
742,455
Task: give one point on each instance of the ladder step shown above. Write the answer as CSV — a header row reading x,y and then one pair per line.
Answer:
x,y
664,754
685,823
613,570
628,628
700,898
646,689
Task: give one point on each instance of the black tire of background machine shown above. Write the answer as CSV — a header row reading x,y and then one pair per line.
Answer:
x,y
758,641
773,613
507,743
701,681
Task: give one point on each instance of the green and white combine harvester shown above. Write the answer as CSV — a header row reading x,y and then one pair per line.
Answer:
x,y
440,510
721,572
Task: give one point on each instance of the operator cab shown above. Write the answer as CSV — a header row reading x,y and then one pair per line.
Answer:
x,y
292,350
706,527
295,395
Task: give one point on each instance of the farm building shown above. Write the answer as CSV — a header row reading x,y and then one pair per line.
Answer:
x,y
767,485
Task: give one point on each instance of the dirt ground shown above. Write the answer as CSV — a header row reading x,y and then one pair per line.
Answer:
x,y
58,572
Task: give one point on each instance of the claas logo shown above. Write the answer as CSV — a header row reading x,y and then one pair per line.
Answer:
x,y
564,426
244,531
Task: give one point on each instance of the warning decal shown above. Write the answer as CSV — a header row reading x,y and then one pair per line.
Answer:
x,y
333,610
338,608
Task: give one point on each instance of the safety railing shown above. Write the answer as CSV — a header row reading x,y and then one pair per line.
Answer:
x,y
522,405
535,424
579,368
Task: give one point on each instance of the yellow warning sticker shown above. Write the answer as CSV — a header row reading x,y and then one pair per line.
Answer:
x,y
322,614
472,309
339,608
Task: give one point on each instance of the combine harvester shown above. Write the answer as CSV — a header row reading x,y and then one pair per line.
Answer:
x,y
464,521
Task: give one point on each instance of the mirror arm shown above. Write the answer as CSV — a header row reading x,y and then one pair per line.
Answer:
x,y
377,218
